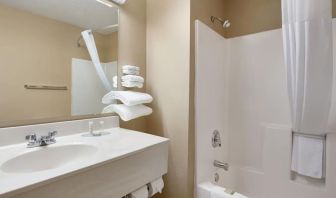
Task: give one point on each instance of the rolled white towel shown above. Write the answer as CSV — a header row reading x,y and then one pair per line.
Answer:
x,y
131,68
128,113
130,72
140,193
129,98
130,84
155,186
133,78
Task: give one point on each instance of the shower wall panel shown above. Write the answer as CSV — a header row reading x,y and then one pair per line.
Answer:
x,y
241,91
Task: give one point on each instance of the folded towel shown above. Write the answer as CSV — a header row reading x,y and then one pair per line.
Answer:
x,y
140,193
130,72
128,113
131,68
133,78
129,98
308,155
130,84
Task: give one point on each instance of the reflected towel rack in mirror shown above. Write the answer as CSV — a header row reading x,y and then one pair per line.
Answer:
x,y
46,87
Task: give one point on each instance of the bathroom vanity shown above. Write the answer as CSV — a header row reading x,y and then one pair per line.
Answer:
x,y
58,60
79,164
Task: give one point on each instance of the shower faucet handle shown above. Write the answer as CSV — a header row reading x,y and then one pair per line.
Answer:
x,y
216,139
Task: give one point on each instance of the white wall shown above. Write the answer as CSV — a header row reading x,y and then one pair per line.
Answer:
x,y
86,88
210,100
258,119
258,93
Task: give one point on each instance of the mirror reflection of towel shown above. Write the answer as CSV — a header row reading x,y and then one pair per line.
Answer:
x,y
128,98
128,113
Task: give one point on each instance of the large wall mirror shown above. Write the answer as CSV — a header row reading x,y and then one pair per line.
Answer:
x,y
58,58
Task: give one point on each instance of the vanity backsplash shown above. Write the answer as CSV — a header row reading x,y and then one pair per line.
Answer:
x,y
15,135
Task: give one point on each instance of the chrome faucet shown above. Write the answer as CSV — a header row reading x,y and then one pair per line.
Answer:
x,y
222,165
33,141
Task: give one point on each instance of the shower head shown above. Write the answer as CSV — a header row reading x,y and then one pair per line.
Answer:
x,y
81,38
224,23
105,31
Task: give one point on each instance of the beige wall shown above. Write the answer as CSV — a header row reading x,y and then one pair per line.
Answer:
x,y
38,50
203,9
168,50
254,16
107,46
132,45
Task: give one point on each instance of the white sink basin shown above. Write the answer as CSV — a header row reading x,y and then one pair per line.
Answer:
x,y
46,158
134,158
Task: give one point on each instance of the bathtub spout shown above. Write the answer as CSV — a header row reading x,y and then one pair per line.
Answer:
x,y
222,165
229,191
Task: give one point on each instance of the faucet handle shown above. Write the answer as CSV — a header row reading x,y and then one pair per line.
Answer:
x,y
216,139
52,134
31,138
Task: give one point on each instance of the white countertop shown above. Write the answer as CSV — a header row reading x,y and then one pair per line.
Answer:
x,y
119,144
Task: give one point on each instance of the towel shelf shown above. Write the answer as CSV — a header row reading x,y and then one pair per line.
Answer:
x,y
45,87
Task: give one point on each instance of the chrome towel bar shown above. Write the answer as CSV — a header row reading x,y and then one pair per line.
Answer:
x,y
45,87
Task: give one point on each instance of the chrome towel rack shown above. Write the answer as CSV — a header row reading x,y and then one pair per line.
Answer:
x,y
46,87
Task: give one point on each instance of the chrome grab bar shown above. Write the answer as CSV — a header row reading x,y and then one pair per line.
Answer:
x,y
45,87
222,165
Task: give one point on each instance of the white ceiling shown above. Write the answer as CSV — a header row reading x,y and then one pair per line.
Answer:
x,y
88,14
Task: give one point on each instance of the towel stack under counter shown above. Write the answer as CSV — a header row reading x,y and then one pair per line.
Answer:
x,y
131,77
132,106
148,190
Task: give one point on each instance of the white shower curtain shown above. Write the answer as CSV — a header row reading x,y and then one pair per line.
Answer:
x,y
307,34
91,46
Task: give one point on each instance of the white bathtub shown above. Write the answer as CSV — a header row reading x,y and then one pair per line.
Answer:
x,y
209,190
